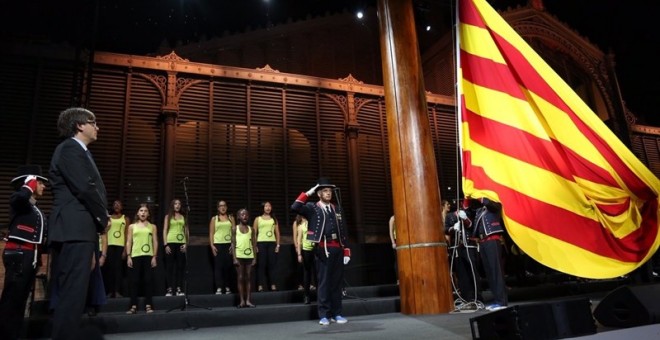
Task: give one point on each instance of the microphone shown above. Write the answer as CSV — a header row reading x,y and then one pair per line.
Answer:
x,y
184,179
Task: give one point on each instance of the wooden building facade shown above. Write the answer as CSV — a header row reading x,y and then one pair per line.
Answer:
x,y
241,135
248,135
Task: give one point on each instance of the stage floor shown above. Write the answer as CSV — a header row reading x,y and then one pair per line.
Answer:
x,y
372,316
381,327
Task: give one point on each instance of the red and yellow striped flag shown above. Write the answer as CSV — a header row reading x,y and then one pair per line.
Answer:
x,y
574,197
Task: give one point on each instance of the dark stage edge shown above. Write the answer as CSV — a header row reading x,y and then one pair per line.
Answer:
x,y
220,310
286,307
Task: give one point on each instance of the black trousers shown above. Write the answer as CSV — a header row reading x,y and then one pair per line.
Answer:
x,y
466,270
175,265
113,269
223,268
330,278
19,278
141,275
70,271
266,264
491,255
309,269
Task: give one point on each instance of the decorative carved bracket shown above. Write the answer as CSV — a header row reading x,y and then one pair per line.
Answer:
x,y
341,101
267,68
159,81
360,102
351,79
182,84
173,58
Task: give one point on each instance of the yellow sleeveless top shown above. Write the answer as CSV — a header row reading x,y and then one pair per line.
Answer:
x,y
222,233
116,235
244,244
302,230
266,231
142,241
175,233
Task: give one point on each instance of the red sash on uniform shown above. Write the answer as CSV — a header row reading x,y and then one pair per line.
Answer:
x,y
12,245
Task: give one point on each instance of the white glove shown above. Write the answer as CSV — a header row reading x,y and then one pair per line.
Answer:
x,y
31,182
456,227
462,214
346,259
311,191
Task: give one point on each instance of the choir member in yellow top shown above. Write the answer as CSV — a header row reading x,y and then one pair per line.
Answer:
x,y
220,228
175,240
268,244
142,249
244,244
116,253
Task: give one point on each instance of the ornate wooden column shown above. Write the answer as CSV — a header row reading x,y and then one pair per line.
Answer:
x,y
170,114
169,119
421,252
352,130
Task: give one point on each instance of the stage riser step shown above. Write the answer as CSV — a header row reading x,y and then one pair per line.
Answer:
x,y
39,327
117,305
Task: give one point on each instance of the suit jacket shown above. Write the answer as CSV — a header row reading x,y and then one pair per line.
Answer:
x,y
79,196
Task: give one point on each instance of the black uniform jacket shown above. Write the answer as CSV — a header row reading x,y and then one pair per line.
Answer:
x,y
317,219
27,222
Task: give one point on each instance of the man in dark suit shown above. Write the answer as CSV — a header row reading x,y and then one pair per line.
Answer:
x,y
78,214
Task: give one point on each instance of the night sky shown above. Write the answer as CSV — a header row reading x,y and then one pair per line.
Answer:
x,y
140,26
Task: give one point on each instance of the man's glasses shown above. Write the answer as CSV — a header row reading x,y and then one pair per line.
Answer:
x,y
91,122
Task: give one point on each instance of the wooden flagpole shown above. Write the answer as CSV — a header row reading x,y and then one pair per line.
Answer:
x,y
421,249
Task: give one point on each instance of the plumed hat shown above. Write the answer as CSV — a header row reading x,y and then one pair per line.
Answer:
x,y
27,170
324,182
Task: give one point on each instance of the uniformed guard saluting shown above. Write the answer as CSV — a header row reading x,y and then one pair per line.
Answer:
x,y
327,230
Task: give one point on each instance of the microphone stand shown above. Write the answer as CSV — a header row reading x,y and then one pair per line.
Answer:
x,y
186,300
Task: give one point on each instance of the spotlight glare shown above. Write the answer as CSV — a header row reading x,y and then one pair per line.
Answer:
x,y
359,14
428,28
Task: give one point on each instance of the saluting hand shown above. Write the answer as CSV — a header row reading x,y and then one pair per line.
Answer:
x,y
31,182
311,191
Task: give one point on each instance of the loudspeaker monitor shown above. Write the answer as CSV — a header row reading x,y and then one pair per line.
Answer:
x,y
630,306
550,320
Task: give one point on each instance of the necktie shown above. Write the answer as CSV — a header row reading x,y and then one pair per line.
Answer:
x,y
327,209
91,159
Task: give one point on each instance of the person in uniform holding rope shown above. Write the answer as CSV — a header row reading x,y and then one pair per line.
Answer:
x,y
463,258
489,229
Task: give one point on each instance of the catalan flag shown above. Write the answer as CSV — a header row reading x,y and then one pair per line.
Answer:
x,y
574,197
